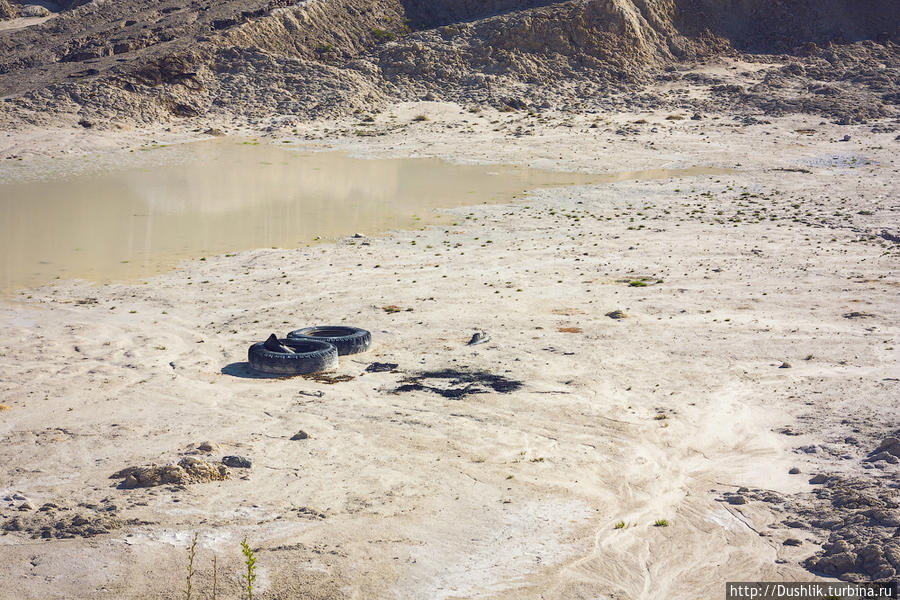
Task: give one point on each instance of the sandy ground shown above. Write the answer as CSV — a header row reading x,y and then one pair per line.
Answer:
x,y
725,282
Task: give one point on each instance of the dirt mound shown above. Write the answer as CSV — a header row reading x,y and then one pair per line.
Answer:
x,y
144,61
189,469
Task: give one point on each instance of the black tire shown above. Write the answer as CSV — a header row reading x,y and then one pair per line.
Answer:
x,y
347,340
310,356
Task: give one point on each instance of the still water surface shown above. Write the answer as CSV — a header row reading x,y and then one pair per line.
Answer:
x,y
222,196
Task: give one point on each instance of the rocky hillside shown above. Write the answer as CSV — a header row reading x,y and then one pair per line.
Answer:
x,y
149,61
7,10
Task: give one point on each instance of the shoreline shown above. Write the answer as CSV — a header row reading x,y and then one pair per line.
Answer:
x,y
124,168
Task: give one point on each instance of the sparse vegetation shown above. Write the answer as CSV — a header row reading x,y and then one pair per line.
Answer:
x,y
383,35
250,561
190,568
661,523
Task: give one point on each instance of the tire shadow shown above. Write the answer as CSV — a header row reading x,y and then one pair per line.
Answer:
x,y
243,371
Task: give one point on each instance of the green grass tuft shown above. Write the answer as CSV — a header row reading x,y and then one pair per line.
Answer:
x,y
383,35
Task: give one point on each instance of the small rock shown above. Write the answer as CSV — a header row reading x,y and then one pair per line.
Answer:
x,y
885,456
479,337
13,525
736,499
26,506
846,138
879,456
300,435
206,447
819,479
237,462
214,132
835,564
890,445
617,314
785,365
858,315
792,542
794,471
884,517
79,521
379,367
888,442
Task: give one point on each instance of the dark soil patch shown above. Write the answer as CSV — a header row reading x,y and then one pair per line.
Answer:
x,y
454,383
52,521
327,379
379,367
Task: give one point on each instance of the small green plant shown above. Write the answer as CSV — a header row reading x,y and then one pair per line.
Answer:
x,y
619,525
190,569
382,35
661,523
250,561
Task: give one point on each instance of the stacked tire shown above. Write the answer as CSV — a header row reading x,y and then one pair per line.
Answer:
x,y
308,350
347,340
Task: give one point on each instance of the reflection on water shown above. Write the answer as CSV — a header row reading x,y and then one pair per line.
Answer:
x,y
224,196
